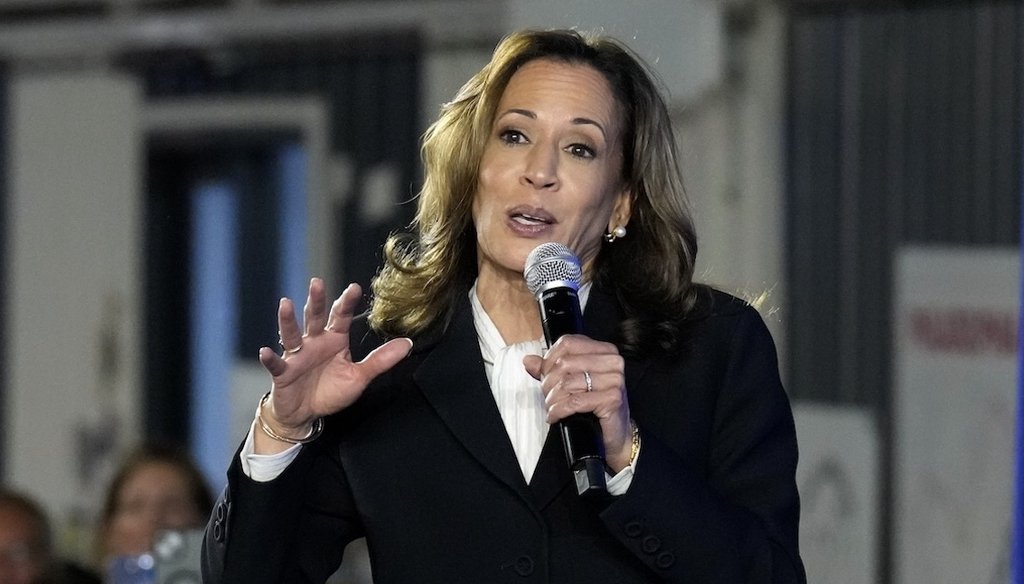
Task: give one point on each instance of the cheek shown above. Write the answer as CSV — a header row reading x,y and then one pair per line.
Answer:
x,y
128,525
497,172
592,221
487,181
129,535
485,197
478,213
596,207
181,517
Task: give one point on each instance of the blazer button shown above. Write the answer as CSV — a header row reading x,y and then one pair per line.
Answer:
x,y
524,565
650,544
664,560
218,531
634,529
221,512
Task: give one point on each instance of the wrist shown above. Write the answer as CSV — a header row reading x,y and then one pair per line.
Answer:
x,y
628,454
288,436
634,442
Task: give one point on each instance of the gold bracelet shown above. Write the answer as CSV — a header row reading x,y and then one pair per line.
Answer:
x,y
314,431
635,450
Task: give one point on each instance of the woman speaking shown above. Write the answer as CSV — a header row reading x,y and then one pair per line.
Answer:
x,y
431,425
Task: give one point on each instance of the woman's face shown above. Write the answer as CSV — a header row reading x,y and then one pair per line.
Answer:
x,y
156,496
551,169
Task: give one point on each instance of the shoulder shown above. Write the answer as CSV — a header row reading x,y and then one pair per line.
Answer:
x,y
722,325
716,308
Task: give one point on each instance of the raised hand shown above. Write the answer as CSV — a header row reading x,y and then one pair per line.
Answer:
x,y
315,376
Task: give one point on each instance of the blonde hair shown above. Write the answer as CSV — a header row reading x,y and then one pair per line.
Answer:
x,y
425,270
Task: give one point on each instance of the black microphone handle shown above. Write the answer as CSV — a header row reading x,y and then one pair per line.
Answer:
x,y
581,433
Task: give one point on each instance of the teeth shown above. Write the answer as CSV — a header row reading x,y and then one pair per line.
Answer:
x,y
527,220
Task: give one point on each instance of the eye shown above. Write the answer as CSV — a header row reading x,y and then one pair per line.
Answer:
x,y
581,151
510,136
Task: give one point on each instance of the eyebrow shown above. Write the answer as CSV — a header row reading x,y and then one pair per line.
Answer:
x,y
576,121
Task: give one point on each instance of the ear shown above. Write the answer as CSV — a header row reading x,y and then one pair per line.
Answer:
x,y
622,210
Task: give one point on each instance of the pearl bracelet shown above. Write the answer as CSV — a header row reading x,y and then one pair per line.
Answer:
x,y
314,431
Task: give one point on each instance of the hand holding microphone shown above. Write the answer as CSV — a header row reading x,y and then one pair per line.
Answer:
x,y
582,378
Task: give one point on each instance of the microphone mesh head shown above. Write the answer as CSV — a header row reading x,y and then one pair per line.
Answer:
x,y
552,265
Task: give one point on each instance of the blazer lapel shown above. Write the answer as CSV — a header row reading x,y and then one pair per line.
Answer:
x,y
552,475
453,380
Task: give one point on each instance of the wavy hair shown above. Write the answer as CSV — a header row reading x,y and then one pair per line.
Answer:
x,y
428,267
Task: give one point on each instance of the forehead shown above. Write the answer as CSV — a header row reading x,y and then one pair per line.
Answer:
x,y
158,474
574,88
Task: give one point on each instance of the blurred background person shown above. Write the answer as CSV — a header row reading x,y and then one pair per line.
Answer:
x,y
156,488
26,547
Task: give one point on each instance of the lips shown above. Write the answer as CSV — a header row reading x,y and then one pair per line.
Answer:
x,y
528,220
531,217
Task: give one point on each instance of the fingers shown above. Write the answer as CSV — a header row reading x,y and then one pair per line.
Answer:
x,y
569,395
580,375
337,322
384,357
314,314
316,318
288,326
274,364
343,309
534,364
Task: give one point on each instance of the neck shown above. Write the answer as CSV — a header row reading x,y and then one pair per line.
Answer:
x,y
511,307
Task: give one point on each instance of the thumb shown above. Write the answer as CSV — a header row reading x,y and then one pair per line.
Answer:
x,y
385,357
533,364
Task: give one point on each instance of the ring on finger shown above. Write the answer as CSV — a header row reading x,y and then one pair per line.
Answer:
x,y
292,351
588,380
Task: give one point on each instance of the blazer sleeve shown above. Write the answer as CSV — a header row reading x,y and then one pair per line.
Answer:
x,y
737,520
291,529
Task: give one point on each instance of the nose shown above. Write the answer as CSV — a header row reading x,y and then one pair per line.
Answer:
x,y
541,170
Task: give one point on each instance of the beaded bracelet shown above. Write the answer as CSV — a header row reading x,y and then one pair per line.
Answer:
x,y
314,431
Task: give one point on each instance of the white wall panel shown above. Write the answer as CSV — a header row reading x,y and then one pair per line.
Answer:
x,y
73,309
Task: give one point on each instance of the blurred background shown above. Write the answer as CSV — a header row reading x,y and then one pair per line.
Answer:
x,y
170,168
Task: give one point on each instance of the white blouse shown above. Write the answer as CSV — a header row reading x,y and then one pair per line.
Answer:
x,y
518,395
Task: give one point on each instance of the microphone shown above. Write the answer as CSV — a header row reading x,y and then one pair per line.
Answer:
x,y
553,274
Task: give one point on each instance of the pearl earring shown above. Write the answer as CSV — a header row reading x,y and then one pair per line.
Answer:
x,y
618,233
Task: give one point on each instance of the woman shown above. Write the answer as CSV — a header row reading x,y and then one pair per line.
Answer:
x,y
425,426
155,488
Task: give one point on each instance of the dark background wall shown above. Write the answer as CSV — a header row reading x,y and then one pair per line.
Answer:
x,y
904,128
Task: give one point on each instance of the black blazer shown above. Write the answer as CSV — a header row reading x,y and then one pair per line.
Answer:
x,y
421,465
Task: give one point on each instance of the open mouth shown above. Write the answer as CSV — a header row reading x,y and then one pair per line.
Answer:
x,y
532,220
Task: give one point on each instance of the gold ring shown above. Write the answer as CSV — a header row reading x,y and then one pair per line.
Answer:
x,y
590,382
293,351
